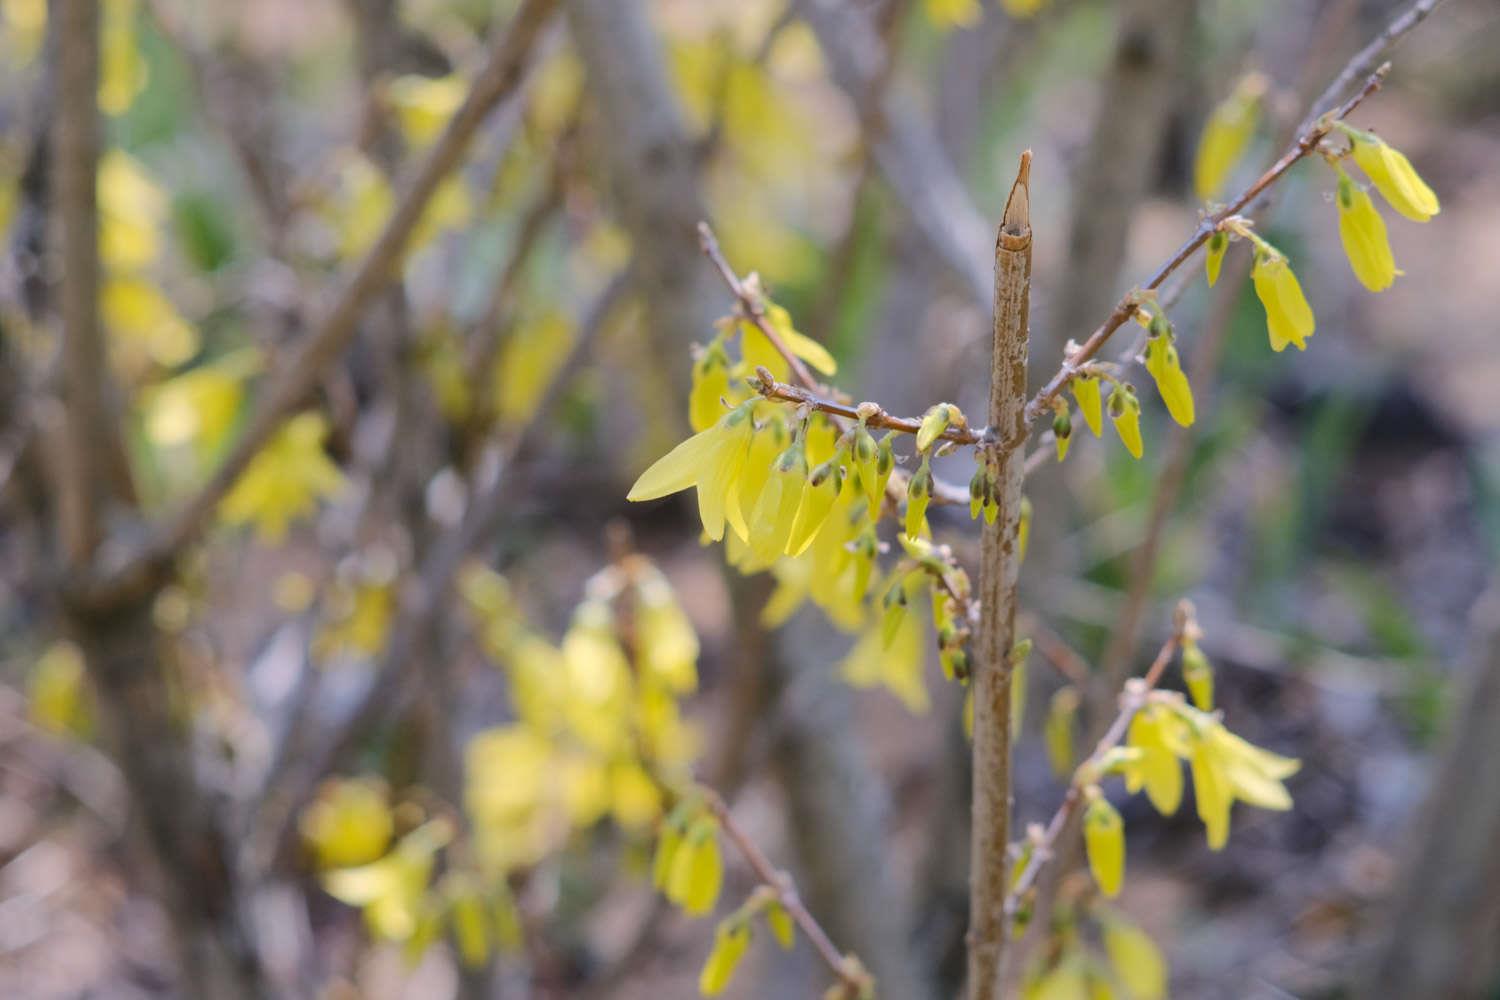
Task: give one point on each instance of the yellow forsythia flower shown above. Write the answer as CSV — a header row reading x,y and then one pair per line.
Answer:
x,y
1198,675
1086,392
731,940
1393,176
349,823
424,104
391,890
123,71
757,349
952,13
285,481
1104,839
1166,368
1289,319
1022,8
469,917
896,665
1213,257
1125,412
780,922
710,388
197,407
58,692
1362,231
710,460
1137,961
1067,980
697,869
1157,767
818,498
776,508
666,644
1058,730
1213,794
131,211
1227,133
937,420
918,496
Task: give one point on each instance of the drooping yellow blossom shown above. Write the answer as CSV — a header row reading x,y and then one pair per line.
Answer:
x,y
952,13
1225,768
759,352
780,922
697,868
1166,368
58,693
895,665
1213,256
1393,176
123,70
710,387
1226,135
918,496
731,940
1086,392
1104,840
527,362
818,498
1362,231
1137,961
1156,767
776,508
349,823
391,890
198,407
145,328
1198,674
285,480
424,104
1289,319
1023,9
711,461
131,210
666,644
1125,413
1058,730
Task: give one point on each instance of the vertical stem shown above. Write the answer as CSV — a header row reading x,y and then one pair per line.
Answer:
x,y
1000,563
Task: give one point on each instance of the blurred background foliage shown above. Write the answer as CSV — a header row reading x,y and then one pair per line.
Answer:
x,y
1336,525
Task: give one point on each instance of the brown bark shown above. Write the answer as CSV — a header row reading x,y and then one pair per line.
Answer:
x,y
999,570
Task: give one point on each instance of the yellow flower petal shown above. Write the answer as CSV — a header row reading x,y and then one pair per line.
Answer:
x,y
1289,319
1104,839
1362,231
1394,177
1166,368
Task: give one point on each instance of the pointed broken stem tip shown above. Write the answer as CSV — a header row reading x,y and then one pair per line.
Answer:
x,y
1017,218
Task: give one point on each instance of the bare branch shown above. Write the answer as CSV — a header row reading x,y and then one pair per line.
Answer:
x,y
850,972
1128,304
1131,700
293,383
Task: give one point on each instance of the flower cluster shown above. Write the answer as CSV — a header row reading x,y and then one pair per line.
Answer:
x,y
801,494
598,733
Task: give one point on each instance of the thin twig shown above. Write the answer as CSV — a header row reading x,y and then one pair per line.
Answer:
x,y
292,781
500,77
874,414
850,972
1131,301
1131,700
751,308
1057,652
